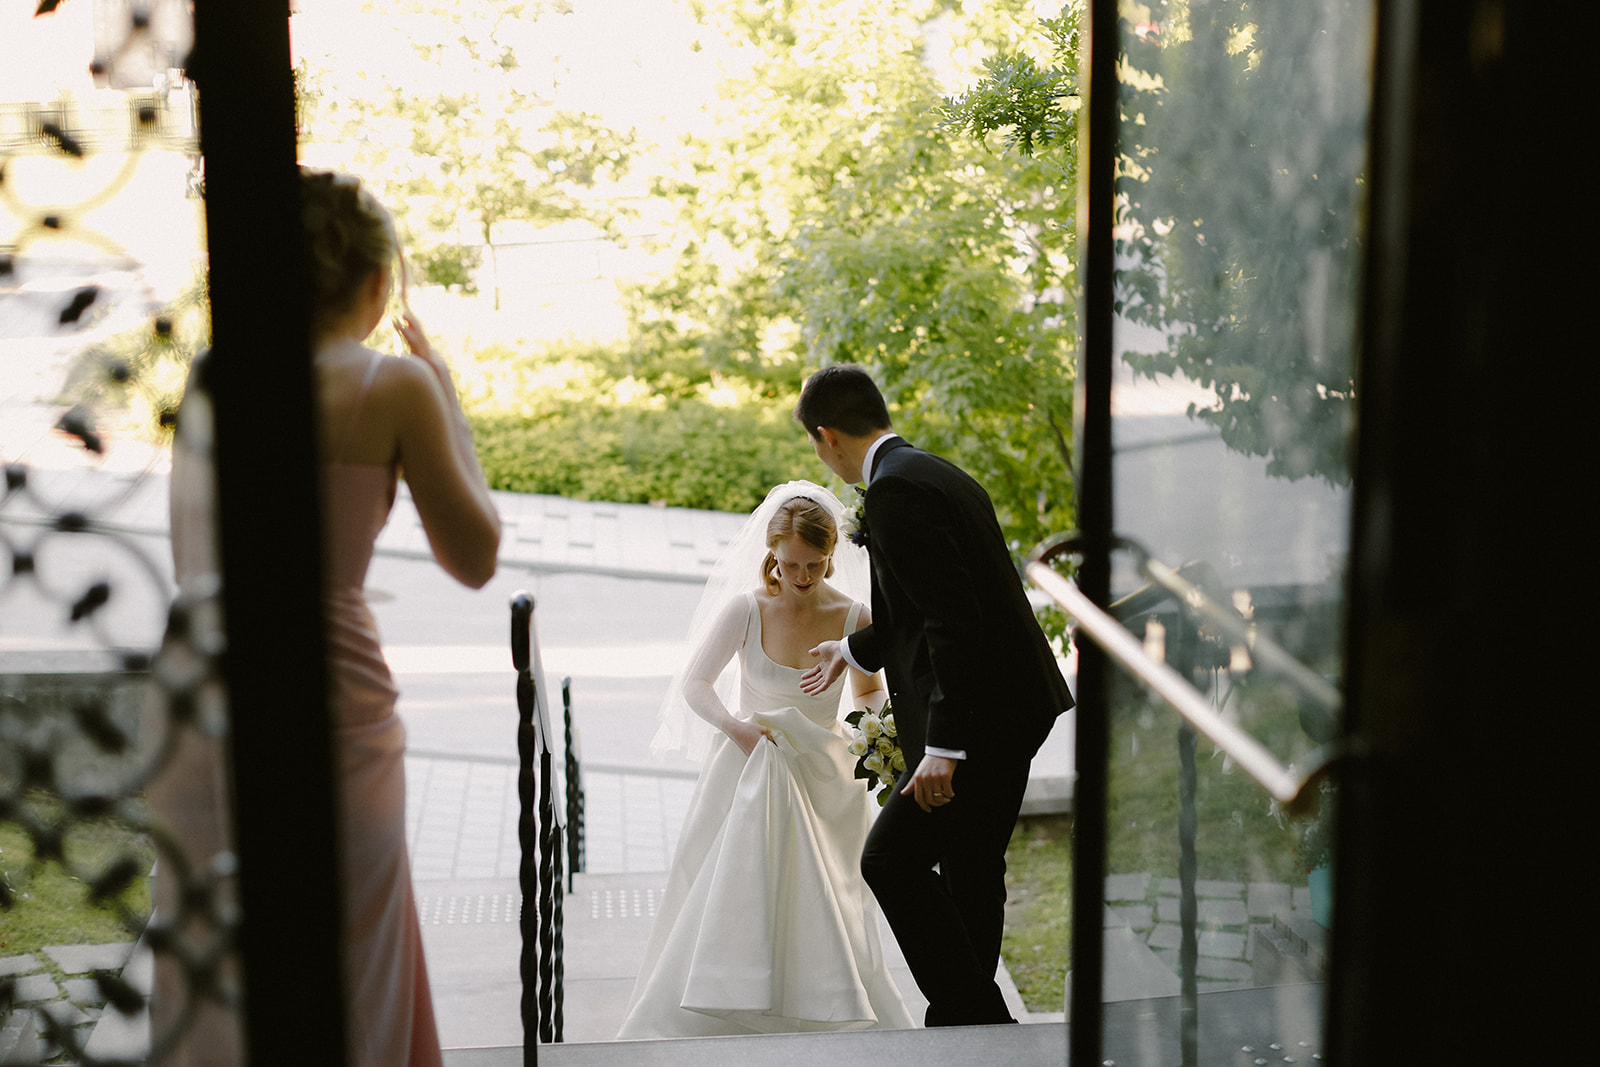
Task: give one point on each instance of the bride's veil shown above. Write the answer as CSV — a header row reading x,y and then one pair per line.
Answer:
x,y
736,571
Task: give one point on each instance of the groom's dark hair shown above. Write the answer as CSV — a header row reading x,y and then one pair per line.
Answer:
x,y
843,397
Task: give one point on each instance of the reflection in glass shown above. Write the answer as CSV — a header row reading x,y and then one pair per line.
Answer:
x,y
1239,184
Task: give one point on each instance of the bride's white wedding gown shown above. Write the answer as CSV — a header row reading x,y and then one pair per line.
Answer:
x,y
766,925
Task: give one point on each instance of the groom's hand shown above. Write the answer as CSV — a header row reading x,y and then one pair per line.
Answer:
x,y
830,664
931,785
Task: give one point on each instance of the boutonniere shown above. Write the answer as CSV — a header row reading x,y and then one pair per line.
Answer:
x,y
855,519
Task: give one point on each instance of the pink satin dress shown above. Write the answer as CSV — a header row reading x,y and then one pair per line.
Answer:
x,y
386,978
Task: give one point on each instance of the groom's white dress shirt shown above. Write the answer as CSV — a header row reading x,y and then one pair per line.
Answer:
x,y
866,479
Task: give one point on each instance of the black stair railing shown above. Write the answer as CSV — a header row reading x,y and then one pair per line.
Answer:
x,y
539,833
576,858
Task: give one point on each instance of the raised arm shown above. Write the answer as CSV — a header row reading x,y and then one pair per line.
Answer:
x,y
441,464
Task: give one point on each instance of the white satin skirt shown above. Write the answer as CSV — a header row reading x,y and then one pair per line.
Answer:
x,y
766,925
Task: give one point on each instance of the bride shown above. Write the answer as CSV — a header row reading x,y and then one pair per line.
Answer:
x,y
766,925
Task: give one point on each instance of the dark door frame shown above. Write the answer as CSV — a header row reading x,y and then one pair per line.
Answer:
x,y
259,375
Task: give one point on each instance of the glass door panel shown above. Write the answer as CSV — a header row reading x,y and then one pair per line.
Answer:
x,y
1241,145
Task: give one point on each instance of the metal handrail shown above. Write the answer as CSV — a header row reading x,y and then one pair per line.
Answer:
x,y
1295,791
1263,650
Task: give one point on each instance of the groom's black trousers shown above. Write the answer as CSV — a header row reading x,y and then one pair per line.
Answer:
x,y
949,922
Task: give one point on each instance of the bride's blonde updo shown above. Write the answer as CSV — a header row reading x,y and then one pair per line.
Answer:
x,y
348,236
806,519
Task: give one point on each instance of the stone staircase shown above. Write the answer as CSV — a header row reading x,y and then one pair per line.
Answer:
x,y
1250,934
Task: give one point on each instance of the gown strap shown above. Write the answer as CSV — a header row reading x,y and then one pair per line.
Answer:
x,y
752,624
361,397
852,617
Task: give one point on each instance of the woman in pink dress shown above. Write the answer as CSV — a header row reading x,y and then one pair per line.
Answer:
x,y
379,416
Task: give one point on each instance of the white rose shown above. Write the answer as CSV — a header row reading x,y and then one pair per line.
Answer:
x,y
899,762
888,724
885,747
870,726
874,763
858,747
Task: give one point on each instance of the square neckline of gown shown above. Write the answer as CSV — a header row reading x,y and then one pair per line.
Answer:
x,y
761,645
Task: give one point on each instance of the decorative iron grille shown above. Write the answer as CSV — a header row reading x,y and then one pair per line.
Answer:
x,y
110,688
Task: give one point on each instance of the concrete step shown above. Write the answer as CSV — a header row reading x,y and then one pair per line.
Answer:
x,y
19,1038
1281,1024
471,935
1015,1046
1290,949
473,961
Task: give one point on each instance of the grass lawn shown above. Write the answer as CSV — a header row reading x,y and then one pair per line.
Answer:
x,y
49,906
1038,934
1239,837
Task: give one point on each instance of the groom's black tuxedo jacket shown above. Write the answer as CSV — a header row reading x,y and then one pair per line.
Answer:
x,y
968,666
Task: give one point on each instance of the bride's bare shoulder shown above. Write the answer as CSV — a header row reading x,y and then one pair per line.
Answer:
x,y
837,600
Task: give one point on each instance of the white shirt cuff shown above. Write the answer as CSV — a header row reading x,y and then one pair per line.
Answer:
x,y
946,753
844,650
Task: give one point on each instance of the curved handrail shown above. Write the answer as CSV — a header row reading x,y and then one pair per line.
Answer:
x,y
1296,791
1263,650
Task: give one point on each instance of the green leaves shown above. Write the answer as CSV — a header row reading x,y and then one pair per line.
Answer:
x,y
844,217
1239,193
1033,105
687,452
1242,219
461,138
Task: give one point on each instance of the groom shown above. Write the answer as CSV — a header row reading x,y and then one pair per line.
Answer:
x,y
973,682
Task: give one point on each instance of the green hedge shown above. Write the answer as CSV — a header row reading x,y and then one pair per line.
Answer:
x,y
686,452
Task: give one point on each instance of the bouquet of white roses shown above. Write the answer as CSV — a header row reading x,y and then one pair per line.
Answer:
x,y
878,756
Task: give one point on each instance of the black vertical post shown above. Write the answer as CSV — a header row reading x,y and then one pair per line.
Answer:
x,y
527,825
259,375
1188,904
1184,644
1097,131
552,970
575,841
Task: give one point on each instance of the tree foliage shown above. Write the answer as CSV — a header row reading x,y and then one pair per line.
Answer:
x,y
463,136
1241,202
841,220
1238,204
837,214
